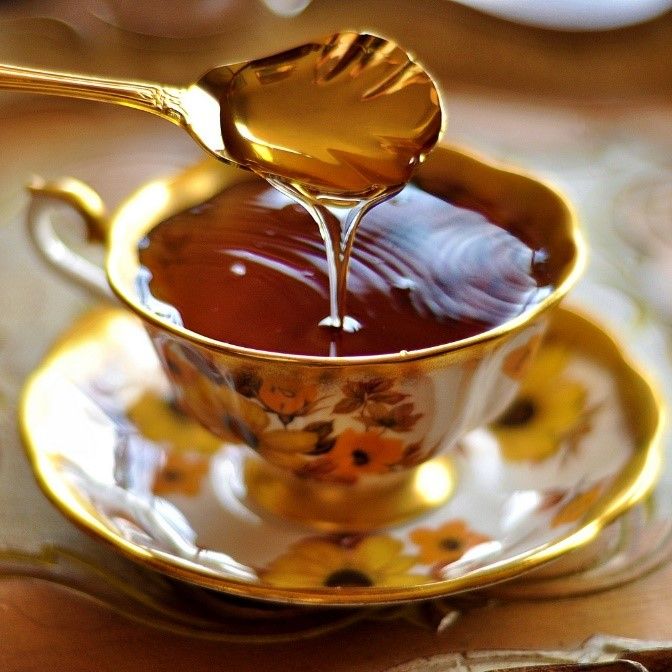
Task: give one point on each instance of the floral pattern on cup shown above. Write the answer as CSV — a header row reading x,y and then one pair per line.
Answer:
x,y
417,553
372,442
325,428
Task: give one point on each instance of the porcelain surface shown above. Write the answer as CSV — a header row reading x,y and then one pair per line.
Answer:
x,y
578,447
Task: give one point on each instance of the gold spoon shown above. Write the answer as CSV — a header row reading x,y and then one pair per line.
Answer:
x,y
347,116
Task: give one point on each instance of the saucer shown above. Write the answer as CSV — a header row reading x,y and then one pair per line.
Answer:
x,y
579,446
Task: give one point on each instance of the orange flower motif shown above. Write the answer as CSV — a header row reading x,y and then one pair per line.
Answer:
x,y
287,397
446,543
180,474
576,507
355,453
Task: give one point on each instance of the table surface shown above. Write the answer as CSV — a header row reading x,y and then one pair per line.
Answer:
x,y
590,113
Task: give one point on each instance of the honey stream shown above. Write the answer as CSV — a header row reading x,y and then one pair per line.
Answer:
x,y
339,128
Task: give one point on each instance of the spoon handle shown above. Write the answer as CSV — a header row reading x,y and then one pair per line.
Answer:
x,y
163,101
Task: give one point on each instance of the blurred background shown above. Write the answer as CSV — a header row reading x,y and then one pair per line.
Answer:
x,y
566,47
577,91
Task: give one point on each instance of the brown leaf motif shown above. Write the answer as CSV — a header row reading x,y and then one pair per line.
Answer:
x,y
380,405
398,418
390,398
348,405
356,393
325,442
416,453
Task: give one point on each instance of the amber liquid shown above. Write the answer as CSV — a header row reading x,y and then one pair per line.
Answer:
x,y
338,127
248,268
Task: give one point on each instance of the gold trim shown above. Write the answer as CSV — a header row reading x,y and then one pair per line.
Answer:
x,y
636,480
162,198
79,196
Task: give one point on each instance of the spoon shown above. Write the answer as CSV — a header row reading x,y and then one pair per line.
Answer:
x,y
348,116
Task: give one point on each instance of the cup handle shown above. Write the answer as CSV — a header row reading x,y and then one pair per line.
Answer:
x,y
45,198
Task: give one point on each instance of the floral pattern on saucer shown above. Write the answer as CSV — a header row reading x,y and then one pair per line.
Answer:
x,y
344,562
556,467
549,414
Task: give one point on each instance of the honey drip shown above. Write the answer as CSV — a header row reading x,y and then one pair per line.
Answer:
x,y
339,128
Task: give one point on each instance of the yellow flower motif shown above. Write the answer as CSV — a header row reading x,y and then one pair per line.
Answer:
x,y
446,543
576,507
162,422
328,563
357,453
205,394
548,364
223,411
548,409
180,474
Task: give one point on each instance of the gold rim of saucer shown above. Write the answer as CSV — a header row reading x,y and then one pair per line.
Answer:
x,y
163,198
642,410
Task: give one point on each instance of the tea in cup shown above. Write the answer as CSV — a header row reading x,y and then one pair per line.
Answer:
x,y
452,283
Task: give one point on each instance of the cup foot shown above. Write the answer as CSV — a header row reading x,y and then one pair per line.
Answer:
x,y
380,502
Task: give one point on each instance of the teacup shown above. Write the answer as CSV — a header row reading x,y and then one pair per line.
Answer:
x,y
348,443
